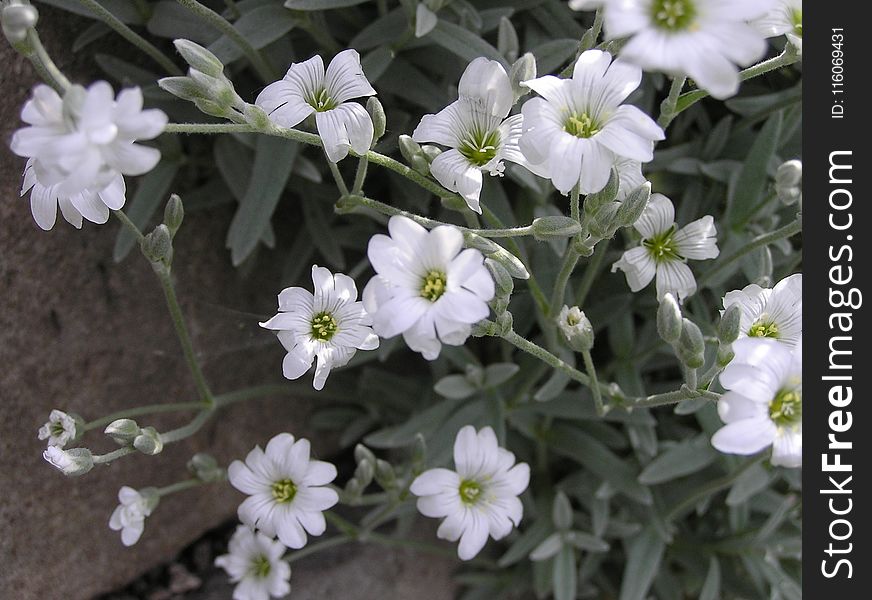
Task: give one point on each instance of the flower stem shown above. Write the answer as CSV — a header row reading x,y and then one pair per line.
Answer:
x,y
594,383
179,486
337,177
570,259
115,454
175,435
787,231
575,204
786,58
590,272
263,68
31,48
150,409
125,220
668,398
318,547
131,36
360,175
668,106
178,318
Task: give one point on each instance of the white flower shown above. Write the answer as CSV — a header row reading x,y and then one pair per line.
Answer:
x,y
630,177
703,39
255,564
306,89
785,18
89,204
480,498
81,143
72,462
576,328
774,313
574,134
477,130
286,497
764,405
60,428
586,4
665,249
426,287
330,325
129,516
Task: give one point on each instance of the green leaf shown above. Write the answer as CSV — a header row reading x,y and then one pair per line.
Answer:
x,y
644,553
553,54
377,62
260,27
525,543
91,34
456,387
585,541
598,459
548,548
565,574
153,188
424,422
169,19
754,480
273,163
126,10
321,4
747,193
463,43
319,228
561,513
499,373
680,460
383,30
711,587
123,72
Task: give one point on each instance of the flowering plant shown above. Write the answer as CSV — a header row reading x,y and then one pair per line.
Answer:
x,y
577,431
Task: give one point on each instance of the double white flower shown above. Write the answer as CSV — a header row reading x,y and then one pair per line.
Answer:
x,y
307,89
763,406
254,563
703,39
480,497
774,313
665,249
576,132
784,18
129,516
477,130
80,146
285,488
330,325
426,287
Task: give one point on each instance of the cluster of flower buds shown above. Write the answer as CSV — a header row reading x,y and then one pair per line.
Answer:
x,y
603,214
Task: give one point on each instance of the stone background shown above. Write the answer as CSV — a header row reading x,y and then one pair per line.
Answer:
x,y
80,333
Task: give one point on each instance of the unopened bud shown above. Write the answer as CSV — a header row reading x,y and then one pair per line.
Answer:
x,y
409,148
419,454
255,116
123,431
364,473
420,163
181,87
431,152
157,246
728,328
148,441
502,280
199,58
594,202
523,69
634,205
789,173
604,223
555,227
205,468
385,475
669,319
362,453
576,328
174,214
17,19
691,345
379,120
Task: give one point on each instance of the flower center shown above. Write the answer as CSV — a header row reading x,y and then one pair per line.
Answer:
x,y
324,327
572,320
662,247
480,148
470,491
673,15
260,566
284,490
321,101
764,328
582,126
796,17
786,408
433,285
57,429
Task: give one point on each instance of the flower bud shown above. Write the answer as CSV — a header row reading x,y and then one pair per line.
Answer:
x,y
594,202
362,453
123,431
604,223
576,328
181,87
728,328
364,473
789,174
634,204
725,355
72,462
255,116
379,120
420,163
554,227
199,58
174,214
17,19
385,475
523,69
669,319
409,148
419,453
157,246
431,152
205,468
502,280
148,441
352,490
691,345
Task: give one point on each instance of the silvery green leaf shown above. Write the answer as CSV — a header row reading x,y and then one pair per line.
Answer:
x,y
549,547
150,194
321,4
383,30
565,574
375,63
747,193
124,72
498,373
425,20
553,53
752,481
319,228
457,387
260,27
92,33
680,460
463,43
711,587
423,422
585,541
561,511
524,544
127,11
507,40
688,407
169,19
644,553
